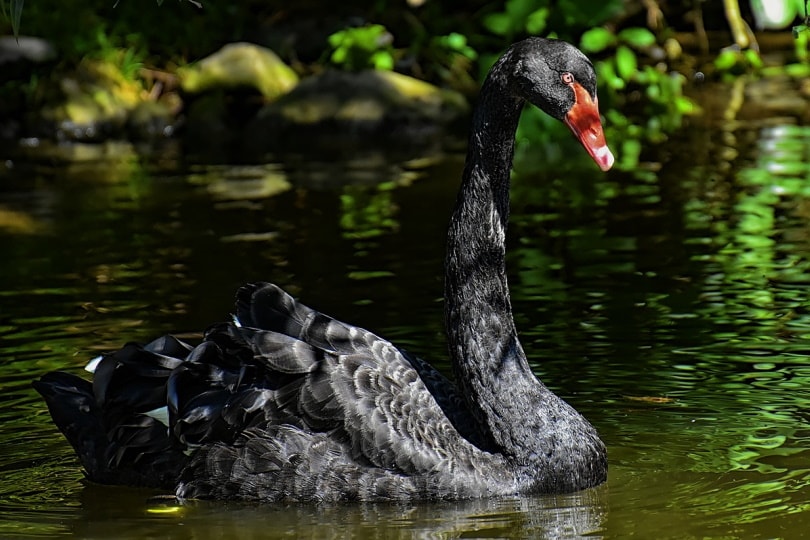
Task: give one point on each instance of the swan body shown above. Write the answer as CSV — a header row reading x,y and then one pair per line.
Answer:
x,y
287,404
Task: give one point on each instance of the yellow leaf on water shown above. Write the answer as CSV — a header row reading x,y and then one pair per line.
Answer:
x,y
651,399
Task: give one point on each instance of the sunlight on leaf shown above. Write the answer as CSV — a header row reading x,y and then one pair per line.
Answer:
x,y
596,40
498,23
626,63
637,37
536,22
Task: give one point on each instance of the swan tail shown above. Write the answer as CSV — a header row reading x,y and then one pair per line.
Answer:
x,y
133,449
148,406
212,398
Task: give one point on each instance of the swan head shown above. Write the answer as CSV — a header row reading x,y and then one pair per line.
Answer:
x,y
559,79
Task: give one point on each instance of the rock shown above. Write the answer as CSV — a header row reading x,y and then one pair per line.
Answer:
x,y
206,131
97,102
373,108
150,120
239,65
26,49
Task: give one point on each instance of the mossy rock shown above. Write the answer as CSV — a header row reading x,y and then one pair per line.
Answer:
x,y
239,65
97,101
371,108
365,97
92,103
23,56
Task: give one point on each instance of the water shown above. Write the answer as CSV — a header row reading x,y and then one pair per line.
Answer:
x,y
669,305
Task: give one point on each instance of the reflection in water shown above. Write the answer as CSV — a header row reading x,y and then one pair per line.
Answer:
x,y
669,306
105,513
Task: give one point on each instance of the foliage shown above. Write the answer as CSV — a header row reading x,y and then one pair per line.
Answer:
x,y
731,63
800,47
12,10
449,60
438,41
664,102
368,46
802,28
533,17
170,31
129,59
737,62
519,16
455,43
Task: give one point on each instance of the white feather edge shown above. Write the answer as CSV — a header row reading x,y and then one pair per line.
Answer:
x,y
161,414
93,364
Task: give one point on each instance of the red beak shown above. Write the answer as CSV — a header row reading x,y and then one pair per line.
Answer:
x,y
583,120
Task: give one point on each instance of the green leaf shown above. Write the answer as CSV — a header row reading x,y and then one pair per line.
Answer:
x,y
382,60
339,56
336,38
637,37
725,60
519,9
587,13
596,40
798,70
455,41
16,16
498,23
630,153
536,21
753,58
684,105
626,64
608,74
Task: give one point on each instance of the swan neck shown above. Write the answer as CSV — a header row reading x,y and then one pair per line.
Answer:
x,y
487,358
518,415
492,146
477,232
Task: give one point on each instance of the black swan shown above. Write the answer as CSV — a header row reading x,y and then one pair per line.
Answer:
x,y
287,404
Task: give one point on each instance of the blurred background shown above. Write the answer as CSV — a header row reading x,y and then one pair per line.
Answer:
x,y
156,155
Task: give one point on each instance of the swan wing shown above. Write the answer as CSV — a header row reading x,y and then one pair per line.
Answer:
x,y
351,381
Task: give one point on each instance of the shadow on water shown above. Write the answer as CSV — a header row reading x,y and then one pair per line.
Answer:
x,y
668,304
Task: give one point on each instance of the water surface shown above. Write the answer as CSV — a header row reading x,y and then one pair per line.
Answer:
x,y
667,304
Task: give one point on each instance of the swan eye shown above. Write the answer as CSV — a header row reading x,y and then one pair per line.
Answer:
x,y
567,78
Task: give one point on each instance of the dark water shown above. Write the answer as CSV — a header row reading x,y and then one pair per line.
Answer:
x,y
669,305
